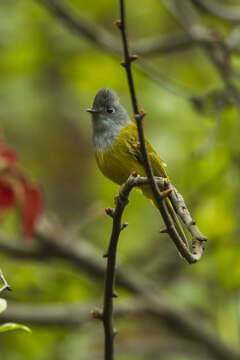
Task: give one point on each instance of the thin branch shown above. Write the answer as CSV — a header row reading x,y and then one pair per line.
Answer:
x,y
86,259
224,12
139,115
182,323
5,285
103,38
181,209
82,26
169,43
80,253
118,226
55,243
75,316
109,291
122,201
64,315
147,47
216,48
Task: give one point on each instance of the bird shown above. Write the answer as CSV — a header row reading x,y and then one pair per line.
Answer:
x,y
117,147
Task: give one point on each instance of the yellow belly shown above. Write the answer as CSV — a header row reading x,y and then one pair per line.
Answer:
x,y
117,164
122,159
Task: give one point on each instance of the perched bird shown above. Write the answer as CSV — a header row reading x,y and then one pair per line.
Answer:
x,y
116,145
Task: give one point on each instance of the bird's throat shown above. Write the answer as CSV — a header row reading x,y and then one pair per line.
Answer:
x,y
105,135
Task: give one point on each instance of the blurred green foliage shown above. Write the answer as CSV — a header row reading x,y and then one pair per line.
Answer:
x,y
10,326
49,76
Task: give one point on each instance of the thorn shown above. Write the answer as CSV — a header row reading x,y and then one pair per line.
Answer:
x,y
110,211
165,193
123,63
133,57
105,255
115,200
136,144
140,115
114,294
97,313
164,230
134,174
118,23
9,288
124,225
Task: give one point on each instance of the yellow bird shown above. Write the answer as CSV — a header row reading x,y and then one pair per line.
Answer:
x,y
116,146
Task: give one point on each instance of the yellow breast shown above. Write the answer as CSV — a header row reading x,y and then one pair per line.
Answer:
x,y
119,162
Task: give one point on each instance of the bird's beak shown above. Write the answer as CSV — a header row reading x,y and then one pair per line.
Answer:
x,y
92,111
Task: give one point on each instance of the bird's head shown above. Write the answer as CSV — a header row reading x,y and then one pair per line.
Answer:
x,y
107,110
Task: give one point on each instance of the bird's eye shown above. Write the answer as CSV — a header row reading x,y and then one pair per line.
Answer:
x,y
110,110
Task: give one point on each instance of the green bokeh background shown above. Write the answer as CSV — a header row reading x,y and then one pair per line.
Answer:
x,y
49,76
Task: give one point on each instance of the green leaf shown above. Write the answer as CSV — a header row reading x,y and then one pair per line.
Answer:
x,y
3,305
13,326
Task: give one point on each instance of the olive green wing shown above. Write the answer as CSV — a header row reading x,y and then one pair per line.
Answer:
x,y
157,163
133,145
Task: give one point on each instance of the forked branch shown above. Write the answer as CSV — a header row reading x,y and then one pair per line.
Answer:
x,y
5,285
116,214
118,226
122,201
139,115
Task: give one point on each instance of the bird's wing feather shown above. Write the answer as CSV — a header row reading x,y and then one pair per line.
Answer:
x,y
133,144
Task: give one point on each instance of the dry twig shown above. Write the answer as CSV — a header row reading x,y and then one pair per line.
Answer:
x,y
122,200
139,115
101,37
5,286
109,292
58,244
216,8
212,42
96,34
118,226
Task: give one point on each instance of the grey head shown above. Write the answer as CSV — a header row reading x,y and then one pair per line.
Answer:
x,y
108,118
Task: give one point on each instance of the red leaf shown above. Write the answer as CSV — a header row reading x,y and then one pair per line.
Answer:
x,y
7,154
7,196
32,207
17,190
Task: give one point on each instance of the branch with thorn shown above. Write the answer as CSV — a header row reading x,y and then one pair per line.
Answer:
x,y
109,292
116,214
177,322
191,257
5,285
170,43
83,27
217,49
55,243
122,201
218,9
181,209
